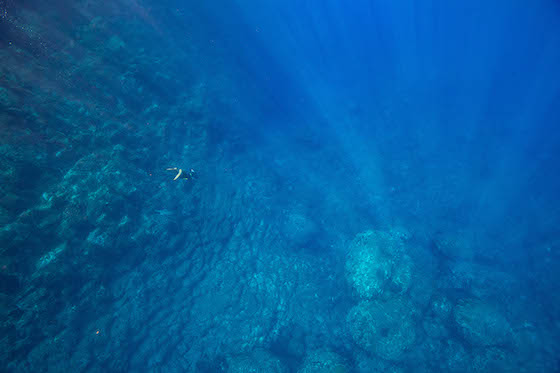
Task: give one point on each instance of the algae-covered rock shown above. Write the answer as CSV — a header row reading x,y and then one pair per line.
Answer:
x,y
376,264
481,324
386,328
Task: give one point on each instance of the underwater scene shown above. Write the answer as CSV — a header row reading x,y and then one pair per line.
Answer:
x,y
306,186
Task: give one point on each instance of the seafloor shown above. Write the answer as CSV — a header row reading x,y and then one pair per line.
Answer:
x,y
284,254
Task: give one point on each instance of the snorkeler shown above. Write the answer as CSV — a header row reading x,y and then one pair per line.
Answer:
x,y
185,175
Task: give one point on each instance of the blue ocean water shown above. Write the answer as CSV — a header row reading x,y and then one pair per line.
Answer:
x,y
263,186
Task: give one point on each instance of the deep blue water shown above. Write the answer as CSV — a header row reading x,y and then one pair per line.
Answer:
x,y
264,186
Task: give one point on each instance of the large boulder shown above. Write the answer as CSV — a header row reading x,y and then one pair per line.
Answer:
x,y
376,265
481,324
480,281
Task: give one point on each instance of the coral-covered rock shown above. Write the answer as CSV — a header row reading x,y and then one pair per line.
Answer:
x,y
386,328
323,361
376,264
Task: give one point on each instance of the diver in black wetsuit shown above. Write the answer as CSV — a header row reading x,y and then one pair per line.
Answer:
x,y
183,174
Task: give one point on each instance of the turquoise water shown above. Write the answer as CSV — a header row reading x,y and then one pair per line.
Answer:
x,y
295,186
